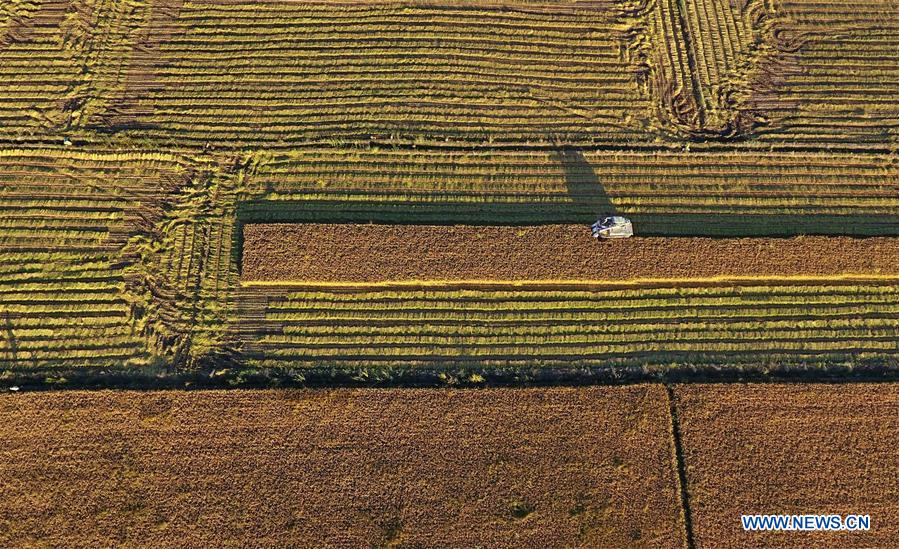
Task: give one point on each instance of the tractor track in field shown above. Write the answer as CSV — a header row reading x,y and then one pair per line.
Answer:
x,y
325,253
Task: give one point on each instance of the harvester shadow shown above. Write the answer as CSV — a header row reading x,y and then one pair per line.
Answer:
x,y
446,210
588,201
11,338
502,212
588,196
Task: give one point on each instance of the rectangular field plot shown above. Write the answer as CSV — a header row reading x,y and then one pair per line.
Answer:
x,y
700,193
790,449
244,73
383,253
355,468
581,325
815,75
66,296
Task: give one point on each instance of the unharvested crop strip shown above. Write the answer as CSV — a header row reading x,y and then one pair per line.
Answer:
x,y
573,457
844,430
586,285
383,253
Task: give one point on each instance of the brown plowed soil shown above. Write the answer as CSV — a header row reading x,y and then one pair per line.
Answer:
x,y
376,253
351,468
791,449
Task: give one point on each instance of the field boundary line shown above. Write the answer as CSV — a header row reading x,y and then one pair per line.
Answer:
x,y
567,284
680,466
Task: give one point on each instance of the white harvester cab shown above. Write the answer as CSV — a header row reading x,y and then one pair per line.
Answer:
x,y
613,227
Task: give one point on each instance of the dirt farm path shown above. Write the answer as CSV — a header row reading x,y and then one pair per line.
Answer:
x,y
381,253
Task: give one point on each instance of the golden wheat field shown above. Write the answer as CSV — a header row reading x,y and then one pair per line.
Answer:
x,y
338,273
340,468
501,467
790,448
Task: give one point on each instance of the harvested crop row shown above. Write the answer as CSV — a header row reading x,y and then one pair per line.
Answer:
x,y
61,61
796,73
377,253
746,178
839,82
237,74
704,52
69,294
790,449
499,467
592,325
519,73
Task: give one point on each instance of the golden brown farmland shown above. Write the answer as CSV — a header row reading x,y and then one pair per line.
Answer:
x,y
790,449
502,467
379,253
440,162
786,73
138,136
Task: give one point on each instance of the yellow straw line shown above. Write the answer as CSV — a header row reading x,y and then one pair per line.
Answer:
x,y
563,283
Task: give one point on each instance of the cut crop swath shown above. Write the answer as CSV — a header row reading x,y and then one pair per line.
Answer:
x,y
239,75
815,323
62,61
66,297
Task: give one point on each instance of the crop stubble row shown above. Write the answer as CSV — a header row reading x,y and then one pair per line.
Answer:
x,y
237,74
798,72
61,295
488,325
112,259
